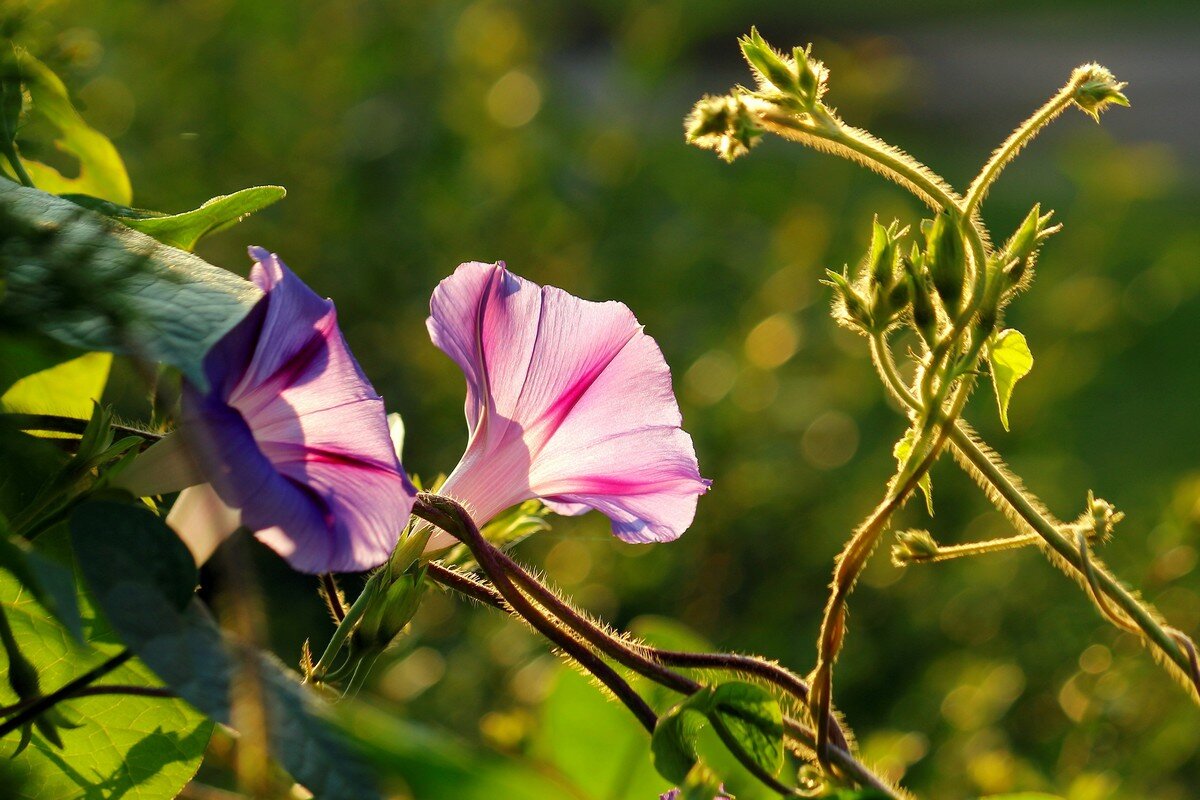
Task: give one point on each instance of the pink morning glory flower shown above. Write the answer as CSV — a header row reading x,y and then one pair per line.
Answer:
x,y
568,401
290,438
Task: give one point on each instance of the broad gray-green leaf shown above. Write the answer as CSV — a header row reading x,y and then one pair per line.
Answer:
x,y
1011,360
902,451
101,173
133,747
93,283
177,639
184,230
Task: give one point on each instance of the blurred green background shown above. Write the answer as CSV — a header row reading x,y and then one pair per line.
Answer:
x,y
415,135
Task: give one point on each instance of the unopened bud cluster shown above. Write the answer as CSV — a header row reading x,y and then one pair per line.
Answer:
x,y
794,82
723,124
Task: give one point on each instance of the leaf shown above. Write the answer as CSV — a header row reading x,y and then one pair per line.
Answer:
x,y
25,355
177,638
49,582
93,283
69,389
749,717
902,451
101,171
673,747
1011,361
133,747
184,230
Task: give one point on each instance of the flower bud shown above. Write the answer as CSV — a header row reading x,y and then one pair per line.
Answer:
x,y
924,316
1095,89
1098,519
1020,252
392,606
811,75
850,308
723,124
947,262
770,66
913,546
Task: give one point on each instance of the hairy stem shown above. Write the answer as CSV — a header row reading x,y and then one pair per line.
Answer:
x,y
452,518
1017,140
1007,494
849,566
651,662
60,424
952,551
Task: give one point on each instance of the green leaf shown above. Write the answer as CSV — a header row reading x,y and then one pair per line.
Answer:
x,y
101,171
184,230
1011,360
49,582
902,451
673,747
133,747
69,389
87,281
749,718
27,354
174,634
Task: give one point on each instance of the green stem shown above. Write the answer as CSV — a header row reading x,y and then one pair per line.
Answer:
x,y
996,483
648,661
14,160
1013,144
346,627
952,551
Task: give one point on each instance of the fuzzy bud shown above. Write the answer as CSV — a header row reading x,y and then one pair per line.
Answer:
x,y
924,315
947,262
912,547
1096,89
849,306
723,124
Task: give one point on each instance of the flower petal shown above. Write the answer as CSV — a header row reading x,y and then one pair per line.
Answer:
x,y
202,520
296,437
568,400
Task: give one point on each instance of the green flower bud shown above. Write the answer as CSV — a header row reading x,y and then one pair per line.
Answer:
x,y
1096,89
723,124
899,296
392,606
1020,252
811,75
850,309
770,67
881,259
403,599
924,315
947,262
913,546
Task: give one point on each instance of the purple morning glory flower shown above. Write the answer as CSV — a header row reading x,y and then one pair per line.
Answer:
x,y
568,401
291,438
